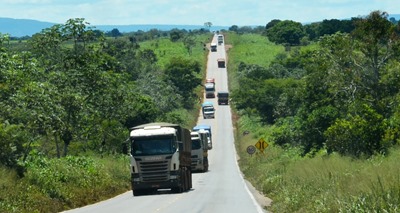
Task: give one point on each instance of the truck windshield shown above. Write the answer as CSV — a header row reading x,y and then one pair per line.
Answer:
x,y
209,109
152,146
196,144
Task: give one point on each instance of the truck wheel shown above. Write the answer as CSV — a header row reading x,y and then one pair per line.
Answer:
x,y
190,179
182,187
205,164
177,189
137,192
186,184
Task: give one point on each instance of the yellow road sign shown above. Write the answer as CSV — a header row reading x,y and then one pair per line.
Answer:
x,y
261,144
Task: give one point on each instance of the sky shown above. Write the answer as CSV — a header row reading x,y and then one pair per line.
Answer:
x,y
192,12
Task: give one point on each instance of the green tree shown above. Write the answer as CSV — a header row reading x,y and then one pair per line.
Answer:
x,y
286,32
358,134
272,23
234,28
271,99
332,26
208,25
189,43
176,34
164,95
14,140
379,42
184,75
115,33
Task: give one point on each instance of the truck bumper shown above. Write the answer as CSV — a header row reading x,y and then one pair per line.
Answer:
x,y
210,95
137,184
197,165
208,116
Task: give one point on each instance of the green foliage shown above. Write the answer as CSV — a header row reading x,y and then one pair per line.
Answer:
x,y
165,49
286,32
72,92
271,99
272,23
286,132
54,185
249,49
162,93
313,125
342,106
176,35
252,49
359,134
323,183
14,141
184,75
332,26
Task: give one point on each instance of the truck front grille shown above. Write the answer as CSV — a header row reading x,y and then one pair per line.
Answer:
x,y
154,171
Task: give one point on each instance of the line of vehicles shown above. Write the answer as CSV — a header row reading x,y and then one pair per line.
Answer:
x,y
164,155
207,107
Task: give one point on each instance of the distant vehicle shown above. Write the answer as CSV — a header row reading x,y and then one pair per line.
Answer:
x,y
220,39
221,63
207,129
160,158
200,150
210,90
210,80
223,98
208,110
213,47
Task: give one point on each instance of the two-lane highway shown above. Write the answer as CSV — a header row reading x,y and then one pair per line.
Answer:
x,y
221,189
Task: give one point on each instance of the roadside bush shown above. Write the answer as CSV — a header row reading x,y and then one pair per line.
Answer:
x,y
54,185
357,135
12,141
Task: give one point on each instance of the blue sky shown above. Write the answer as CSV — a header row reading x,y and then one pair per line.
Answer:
x,y
191,12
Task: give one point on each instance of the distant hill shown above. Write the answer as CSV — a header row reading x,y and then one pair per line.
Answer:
x,y
27,27
22,27
396,16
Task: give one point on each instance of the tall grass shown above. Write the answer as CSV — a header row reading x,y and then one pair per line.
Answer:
x,y
53,185
324,183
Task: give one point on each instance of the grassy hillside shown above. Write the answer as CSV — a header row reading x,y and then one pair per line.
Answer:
x,y
249,49
324,183
165,49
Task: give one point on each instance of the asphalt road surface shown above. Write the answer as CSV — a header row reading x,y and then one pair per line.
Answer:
x,y
221,189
